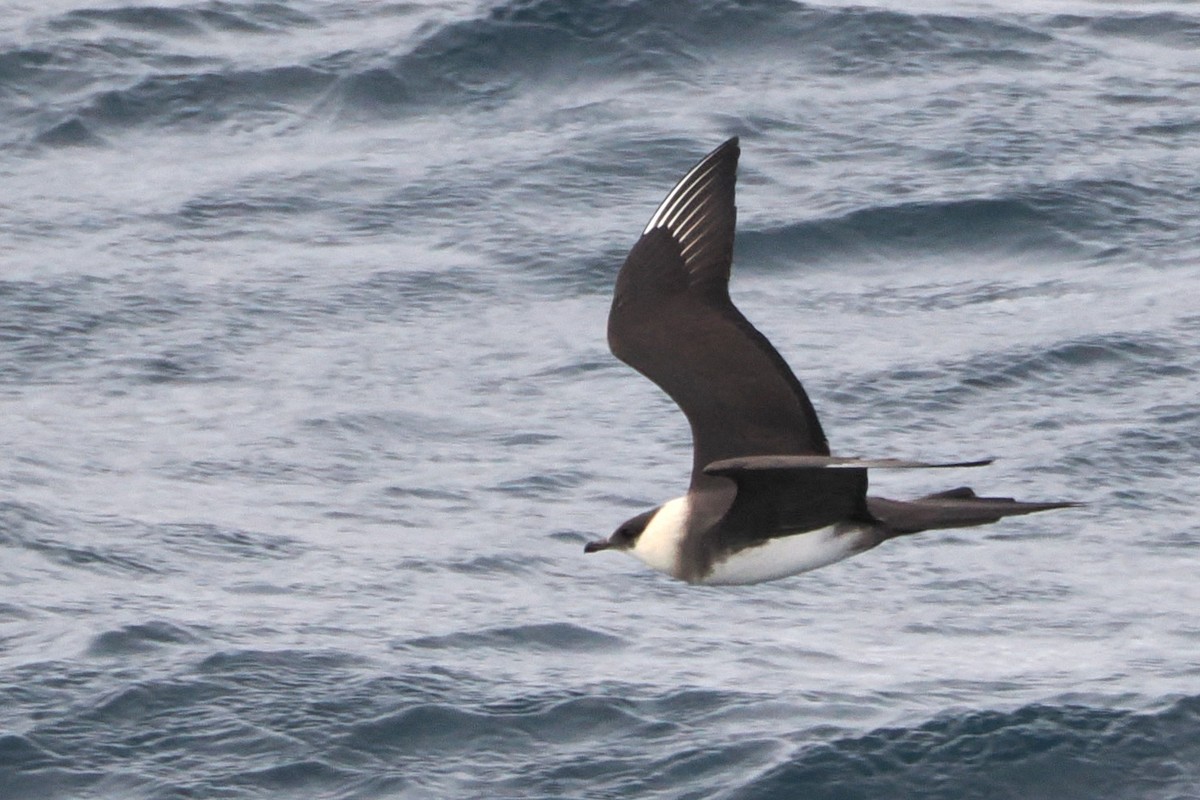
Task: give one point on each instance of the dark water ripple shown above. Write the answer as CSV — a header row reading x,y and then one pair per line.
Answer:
x,y
535,41
207,98
872,233
1089,366
506,51
139,638
267,721
1166,27
1107,362
557,636
66,542
1086,218
1036,751
259,17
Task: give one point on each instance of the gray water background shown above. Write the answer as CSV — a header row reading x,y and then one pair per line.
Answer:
x,y
306,409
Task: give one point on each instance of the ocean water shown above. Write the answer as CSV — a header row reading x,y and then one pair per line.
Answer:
x,y
306,409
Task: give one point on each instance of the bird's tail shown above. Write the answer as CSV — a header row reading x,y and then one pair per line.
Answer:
x,y
955,508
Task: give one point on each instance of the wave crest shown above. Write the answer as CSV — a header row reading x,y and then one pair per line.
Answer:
x,y
1039,751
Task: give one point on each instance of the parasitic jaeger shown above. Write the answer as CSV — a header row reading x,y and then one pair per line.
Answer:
x,y
766,499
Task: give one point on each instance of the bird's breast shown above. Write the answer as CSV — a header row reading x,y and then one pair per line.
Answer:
x,y
782,556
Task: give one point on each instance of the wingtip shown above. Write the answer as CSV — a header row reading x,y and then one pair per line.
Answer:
x,y
731,146
706,187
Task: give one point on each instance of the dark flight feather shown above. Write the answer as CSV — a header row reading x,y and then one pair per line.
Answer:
x,y
672,320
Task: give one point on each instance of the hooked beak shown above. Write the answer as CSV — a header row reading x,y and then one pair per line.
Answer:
x,y
597,546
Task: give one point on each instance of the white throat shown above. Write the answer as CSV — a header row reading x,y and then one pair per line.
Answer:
x,y
658,546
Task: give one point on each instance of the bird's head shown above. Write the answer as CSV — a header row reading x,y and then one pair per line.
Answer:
x,y
626,535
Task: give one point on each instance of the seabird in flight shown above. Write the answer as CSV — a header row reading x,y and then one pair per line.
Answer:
x,y
767,499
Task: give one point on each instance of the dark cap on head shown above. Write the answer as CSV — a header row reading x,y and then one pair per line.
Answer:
x,y
626,534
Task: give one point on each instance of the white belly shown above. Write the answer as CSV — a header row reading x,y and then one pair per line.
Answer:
x,y
789,555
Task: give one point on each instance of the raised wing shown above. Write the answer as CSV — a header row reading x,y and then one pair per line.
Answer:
x,y
673,321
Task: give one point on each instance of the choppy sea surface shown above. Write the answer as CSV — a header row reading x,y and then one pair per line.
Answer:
x,y
306,409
